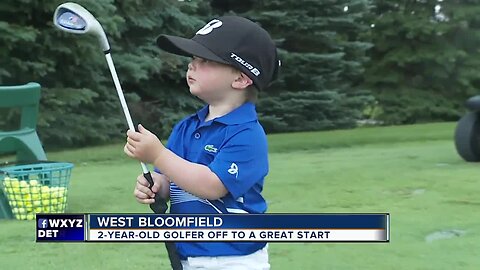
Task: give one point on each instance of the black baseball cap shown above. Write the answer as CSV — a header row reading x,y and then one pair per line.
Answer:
x,y
231,40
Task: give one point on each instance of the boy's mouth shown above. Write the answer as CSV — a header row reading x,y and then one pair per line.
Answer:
x,y
190,79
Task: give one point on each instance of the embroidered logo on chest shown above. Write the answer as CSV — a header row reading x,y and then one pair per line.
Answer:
x,y
210,148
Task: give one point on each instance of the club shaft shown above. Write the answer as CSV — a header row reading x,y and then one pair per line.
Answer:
x,y
111,67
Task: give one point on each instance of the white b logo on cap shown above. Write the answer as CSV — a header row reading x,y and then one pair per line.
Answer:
x,y
209,27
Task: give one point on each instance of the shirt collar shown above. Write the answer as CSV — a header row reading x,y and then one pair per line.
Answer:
x,y
243,114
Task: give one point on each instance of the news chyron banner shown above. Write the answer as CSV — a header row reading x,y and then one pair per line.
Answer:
x,y
61,227
215,228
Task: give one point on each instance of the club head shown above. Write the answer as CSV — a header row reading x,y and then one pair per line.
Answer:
x,y
73,18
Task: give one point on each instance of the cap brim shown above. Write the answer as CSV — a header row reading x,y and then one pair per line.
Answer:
x,y
186,47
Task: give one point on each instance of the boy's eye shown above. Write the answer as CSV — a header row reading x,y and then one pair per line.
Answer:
x,y
201,60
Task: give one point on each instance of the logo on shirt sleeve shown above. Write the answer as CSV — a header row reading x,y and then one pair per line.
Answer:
x,y
233,170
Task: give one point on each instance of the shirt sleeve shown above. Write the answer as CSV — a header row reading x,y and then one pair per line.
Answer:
x,y
242,161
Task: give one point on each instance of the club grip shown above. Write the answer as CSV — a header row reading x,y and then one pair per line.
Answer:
x,y
160,207
149,178
160,204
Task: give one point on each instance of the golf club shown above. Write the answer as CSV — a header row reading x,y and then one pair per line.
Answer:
x,y
73,18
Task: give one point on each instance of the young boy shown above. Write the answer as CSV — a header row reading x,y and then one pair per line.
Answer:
x,y
216,160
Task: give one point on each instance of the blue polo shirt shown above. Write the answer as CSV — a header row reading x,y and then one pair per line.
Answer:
x,y
234,147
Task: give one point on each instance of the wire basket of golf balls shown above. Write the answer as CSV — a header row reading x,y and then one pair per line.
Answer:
x,y
36,188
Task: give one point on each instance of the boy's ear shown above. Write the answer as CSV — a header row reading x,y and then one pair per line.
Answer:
x,y
242,81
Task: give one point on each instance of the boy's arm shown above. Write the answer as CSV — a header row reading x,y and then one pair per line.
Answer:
x,y
195,178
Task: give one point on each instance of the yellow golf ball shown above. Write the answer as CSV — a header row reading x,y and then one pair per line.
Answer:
x,y
33,183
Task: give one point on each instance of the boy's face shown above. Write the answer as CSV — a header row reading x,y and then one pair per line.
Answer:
x,y
209,80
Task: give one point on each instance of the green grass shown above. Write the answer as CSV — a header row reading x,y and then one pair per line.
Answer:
x,y
412,172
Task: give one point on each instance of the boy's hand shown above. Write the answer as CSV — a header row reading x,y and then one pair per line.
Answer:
x,y
143,145
142,192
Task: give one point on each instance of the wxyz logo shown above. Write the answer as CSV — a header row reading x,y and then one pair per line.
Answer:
x,y
62,223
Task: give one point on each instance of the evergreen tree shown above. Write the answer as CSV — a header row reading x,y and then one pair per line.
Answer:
x,y
425,59
68,67
79,103
157,77
322,63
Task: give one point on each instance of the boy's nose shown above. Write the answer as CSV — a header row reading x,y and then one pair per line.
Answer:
x,y
190,65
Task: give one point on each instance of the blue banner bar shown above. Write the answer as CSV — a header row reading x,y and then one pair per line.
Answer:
x,y
240,221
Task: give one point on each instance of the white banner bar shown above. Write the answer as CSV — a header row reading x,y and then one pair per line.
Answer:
x,y
262,235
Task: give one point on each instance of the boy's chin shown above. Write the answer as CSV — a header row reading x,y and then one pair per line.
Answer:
x,y
196,93
193,91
